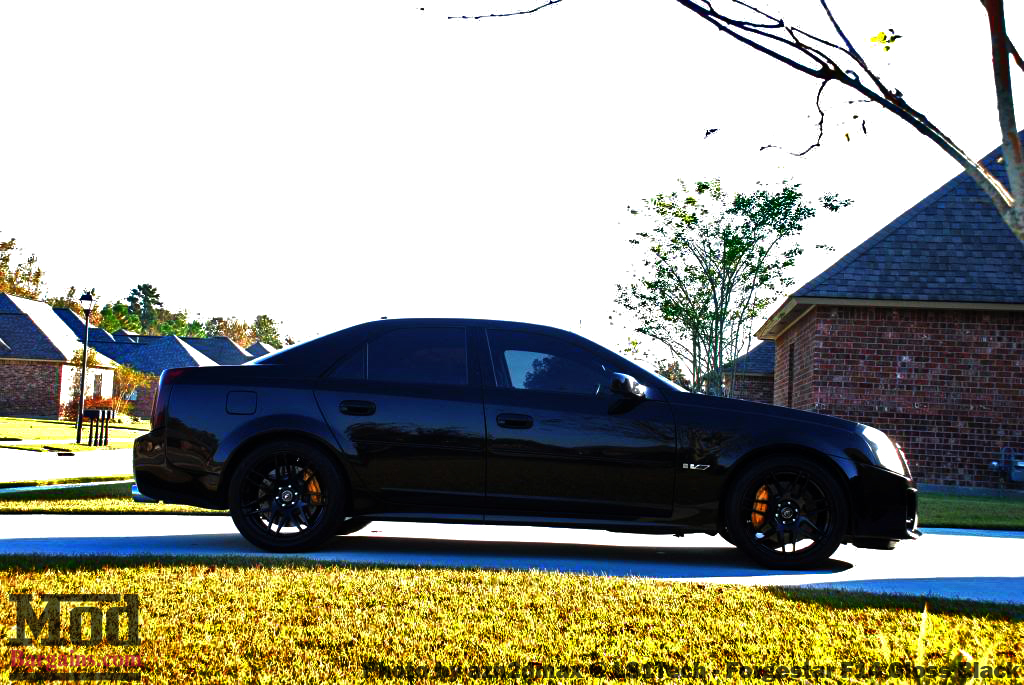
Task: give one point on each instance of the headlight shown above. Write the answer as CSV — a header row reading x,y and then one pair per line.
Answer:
x,y
886,451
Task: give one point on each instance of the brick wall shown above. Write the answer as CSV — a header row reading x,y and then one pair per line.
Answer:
x,y
757,388
948,385
29,388
796,347
144,402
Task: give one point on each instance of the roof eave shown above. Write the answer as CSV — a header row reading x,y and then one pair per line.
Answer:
x,y
794,309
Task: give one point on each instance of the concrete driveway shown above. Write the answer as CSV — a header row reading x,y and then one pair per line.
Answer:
x,y
981,565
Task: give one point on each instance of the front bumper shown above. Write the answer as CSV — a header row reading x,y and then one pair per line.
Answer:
x,y
883,506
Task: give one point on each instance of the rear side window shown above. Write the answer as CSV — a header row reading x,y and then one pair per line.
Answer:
x,y
528,361
419,355
353,366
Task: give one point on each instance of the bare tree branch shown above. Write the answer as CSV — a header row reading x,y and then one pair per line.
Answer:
x,y
821,124
549,3
1012,152
871,87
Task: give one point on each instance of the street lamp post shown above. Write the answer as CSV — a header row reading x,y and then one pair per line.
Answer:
x,y
87,304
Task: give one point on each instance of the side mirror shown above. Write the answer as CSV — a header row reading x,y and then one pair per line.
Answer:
x,y
624,384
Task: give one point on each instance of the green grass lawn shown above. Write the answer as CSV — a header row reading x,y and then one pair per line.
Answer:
x,y
13,429
110,499
969,511
266,621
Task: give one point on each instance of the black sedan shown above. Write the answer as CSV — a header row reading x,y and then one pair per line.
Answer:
x,y
471,421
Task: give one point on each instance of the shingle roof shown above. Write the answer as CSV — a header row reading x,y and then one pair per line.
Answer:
x,y
760,359
156,355
952,246
123,335
221,349
31,330
259,348
77,326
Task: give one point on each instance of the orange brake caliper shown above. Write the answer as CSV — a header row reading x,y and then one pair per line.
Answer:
x,y
760,507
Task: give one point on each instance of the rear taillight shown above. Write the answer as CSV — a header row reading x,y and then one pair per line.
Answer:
x,y
163,394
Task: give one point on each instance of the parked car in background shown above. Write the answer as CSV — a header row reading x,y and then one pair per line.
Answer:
x,y
474,421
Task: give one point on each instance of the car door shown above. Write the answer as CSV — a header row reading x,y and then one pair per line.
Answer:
x,y
406,406
559,442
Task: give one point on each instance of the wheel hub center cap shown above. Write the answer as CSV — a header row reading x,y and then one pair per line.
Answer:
x,y
786,511
287,496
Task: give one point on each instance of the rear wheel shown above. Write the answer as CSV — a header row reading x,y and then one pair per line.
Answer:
x,y
786,512
286,496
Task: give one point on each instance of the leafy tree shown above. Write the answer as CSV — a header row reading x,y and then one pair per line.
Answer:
x,y
144,301
264,329
117,315
833,58
232,328
214,326
712,263
126,381
22,279
70,301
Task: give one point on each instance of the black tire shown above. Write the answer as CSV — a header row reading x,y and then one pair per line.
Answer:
x,y
786,512
353,525
286,496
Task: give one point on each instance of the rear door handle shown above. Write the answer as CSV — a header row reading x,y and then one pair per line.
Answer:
x,y
357,408
515,421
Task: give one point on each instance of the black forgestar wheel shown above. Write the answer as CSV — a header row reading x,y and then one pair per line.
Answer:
x,y
286,497
786,512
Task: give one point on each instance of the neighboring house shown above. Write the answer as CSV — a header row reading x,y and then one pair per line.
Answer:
x,y
36,378
153,356
754,375
221,349
77,326
259,349
919,331
123,335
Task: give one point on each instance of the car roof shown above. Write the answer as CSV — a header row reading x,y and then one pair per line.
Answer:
x,y
312,352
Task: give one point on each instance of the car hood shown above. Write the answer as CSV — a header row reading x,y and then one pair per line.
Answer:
x,y
679,397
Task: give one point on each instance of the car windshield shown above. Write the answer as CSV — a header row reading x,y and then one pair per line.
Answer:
x,y
650,368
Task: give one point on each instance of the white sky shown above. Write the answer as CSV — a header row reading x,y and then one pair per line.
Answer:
x,y
332,162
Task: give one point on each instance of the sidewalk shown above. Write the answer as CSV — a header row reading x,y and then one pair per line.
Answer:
x,y
19,465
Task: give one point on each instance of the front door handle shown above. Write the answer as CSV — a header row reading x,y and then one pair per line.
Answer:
x,y
515,421
357,408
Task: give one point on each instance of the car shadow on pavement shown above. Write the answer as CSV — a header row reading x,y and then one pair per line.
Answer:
x,y
615,560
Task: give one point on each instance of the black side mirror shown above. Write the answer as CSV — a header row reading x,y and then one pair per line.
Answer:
x,y
624,384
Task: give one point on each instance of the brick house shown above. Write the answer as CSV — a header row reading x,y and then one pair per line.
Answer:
x,y
754,376
919,331
36,348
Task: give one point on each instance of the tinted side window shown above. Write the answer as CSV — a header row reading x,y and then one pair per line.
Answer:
x,y
353,366
539,362
419,355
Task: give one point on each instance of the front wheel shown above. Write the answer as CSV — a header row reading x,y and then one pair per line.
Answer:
x,y
786,512
286,497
